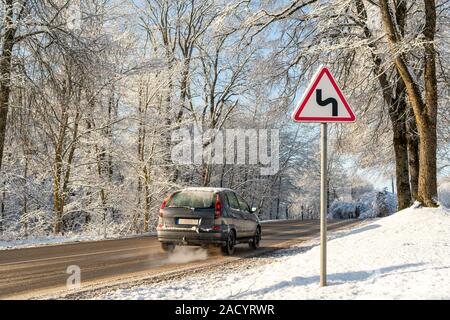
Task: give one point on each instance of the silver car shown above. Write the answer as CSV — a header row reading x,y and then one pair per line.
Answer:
x,y
204,216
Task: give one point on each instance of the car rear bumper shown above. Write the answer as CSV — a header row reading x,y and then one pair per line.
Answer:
x,y
190,237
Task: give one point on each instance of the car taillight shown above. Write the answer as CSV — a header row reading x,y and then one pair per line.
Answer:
x,y
161,211
218,208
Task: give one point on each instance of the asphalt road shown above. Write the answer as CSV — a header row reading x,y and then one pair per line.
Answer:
x,y
30,272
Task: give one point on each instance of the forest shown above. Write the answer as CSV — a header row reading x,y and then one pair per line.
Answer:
x,y
92,91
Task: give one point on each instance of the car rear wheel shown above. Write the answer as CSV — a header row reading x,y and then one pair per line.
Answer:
x,y
228,248
167,247
254,243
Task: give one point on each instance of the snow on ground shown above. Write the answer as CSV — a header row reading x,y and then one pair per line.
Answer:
x,y
403,256
444,194
54,240
41,241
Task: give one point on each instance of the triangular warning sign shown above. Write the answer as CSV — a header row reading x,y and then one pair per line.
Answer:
x,y
323,101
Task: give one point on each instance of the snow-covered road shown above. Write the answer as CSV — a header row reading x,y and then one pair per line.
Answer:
x,y
403,256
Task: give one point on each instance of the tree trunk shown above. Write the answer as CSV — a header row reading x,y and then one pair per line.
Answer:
x,y
398,110
105,210
278,197
10,25
413,156
222,175
5,74
2,208
25,200
146,198
171,170
5,81
206,174
401,166
427,189
57,205
103,198
428,146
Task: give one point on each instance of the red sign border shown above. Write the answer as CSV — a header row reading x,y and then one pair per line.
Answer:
x,y
296,115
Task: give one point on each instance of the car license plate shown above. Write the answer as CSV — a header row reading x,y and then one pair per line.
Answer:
x,y
188,221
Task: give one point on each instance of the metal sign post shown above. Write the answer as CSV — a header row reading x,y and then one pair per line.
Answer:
x,y
323,204
323,102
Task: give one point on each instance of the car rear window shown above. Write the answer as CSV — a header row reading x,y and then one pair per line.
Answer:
x,y
191,199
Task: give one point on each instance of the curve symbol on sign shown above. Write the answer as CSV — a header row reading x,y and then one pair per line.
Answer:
x,y
323,103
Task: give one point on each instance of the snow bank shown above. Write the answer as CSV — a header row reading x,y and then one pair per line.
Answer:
x,y
42,241
444,194
403,256
371,204
54,240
